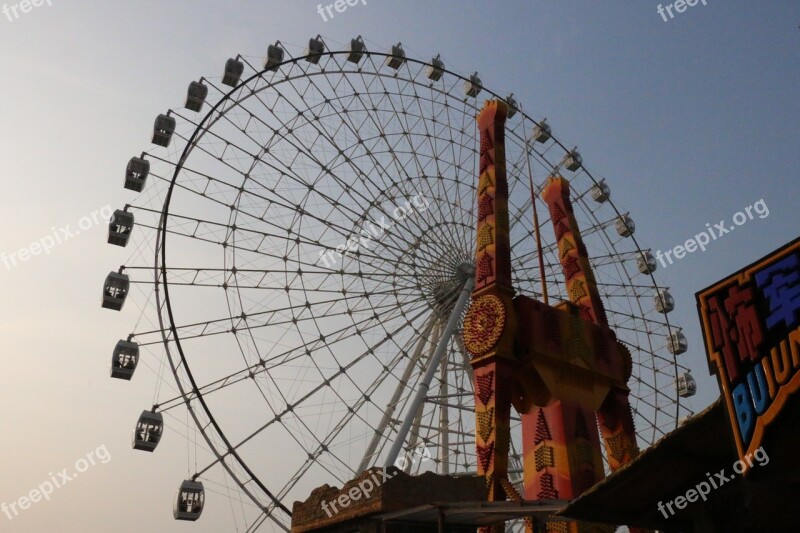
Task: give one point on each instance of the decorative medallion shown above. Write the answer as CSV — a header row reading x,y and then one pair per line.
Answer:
x,y
484,324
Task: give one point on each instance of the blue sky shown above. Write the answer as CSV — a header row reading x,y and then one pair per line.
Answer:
x,y
690,121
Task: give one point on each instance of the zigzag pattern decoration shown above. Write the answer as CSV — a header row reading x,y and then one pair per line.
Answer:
x,y
485,423
485,455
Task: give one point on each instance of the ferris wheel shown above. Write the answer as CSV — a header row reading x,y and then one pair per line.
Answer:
x,y
303,230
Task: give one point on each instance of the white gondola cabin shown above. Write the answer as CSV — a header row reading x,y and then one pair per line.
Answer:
x,y
542,132
473,86
115,290
136,173
646,263
124,360
677,343
148,431
196,95
625,226
274,57
664,301
120,227
189,501
686,385
573,160
163,128
316,47
435,70
600,192
397,58
356,50
233,72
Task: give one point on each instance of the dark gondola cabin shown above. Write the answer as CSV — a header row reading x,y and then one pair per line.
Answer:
x,y
115,290
189,501
397,58
435,70
473,86
356,49
196,95
120,227
646,263
233,72
625,226
148,431
513,105
542,132
136,173
274,57
124,360
677,343
664,301
573,160
316,47
601,192
686,385
163,128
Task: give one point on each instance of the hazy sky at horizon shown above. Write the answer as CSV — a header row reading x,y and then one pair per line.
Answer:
x,y
689,120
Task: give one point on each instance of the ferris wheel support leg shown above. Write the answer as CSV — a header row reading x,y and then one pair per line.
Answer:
x,y
392,405
433,367
414,436
444,424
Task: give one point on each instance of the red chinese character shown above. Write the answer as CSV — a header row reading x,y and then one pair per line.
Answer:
x,y
748,333
721,337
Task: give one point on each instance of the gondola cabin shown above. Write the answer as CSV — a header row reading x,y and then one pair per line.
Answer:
x,y
473,86
625,226
573,160
513,105
677,343
196,95
189,501
163,128
115,290
124,360
120,227
646,263
686,385
664,301
148,431
316,47
274,57
233,72
542,132
356,50
397,58
600,192
435,70
136,173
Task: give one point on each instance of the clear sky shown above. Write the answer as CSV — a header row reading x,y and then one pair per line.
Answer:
x,y
690,120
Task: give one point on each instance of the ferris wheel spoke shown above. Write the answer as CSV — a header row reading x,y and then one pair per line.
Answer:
x,y
275,362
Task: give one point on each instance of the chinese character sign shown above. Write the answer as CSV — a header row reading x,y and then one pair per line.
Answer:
x,y
751,326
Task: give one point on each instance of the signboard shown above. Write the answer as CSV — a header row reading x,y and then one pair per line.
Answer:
x,y
751,327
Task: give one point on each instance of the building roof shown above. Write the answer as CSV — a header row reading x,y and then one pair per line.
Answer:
x,y
764,500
